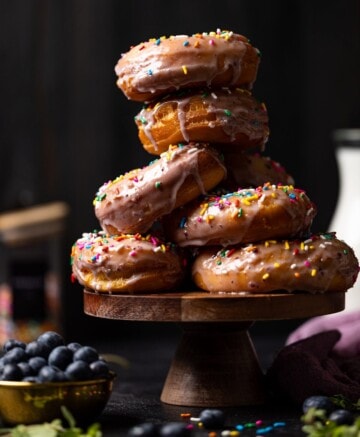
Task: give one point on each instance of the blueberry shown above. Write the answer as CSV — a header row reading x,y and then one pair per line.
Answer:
x,y
11,372
86,353
60,357
36,363
48,374
212,418
342,417
99,368
74,346
36,349
31,379
51,339
62,376
144,430
78,371
51,374
25,368
15,355
174,429
11,343
319,403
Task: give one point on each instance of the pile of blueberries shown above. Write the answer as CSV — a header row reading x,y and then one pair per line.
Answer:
x,y
49,359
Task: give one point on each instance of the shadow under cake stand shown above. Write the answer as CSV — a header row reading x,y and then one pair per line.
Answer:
x,y
215,364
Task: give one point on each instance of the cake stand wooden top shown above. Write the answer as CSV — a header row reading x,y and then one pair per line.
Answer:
x,y
197,306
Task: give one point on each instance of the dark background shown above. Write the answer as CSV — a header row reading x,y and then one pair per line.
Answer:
x,y
65,128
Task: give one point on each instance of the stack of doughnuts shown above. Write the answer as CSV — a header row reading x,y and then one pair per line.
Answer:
x,y
210,211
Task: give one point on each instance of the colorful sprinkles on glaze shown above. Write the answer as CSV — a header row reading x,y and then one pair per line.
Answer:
x,y
213,35
299,249
101,242
241,199
133,175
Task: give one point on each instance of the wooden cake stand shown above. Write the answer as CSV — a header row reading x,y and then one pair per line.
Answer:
x,y
215,364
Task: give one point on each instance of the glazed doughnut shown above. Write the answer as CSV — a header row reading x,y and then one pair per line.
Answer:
x,y
252,170
126,263
132,202
319,264
244,216
163,65
224,116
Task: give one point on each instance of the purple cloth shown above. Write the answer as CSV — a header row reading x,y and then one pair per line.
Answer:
x,y
348,323
310,367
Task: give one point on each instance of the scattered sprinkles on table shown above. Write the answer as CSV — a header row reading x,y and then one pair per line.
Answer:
x,y
213,421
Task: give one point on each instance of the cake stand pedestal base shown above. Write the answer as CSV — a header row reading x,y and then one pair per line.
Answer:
x,y
215,364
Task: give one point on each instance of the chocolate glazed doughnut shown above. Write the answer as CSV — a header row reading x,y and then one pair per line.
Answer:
x,y
132,202
318,264
252,170
126,263
247,215
160,66
232,117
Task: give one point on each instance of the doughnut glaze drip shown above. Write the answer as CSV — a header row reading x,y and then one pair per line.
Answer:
x,y
318,264
132,202
229,116
125,263
252,214
163,65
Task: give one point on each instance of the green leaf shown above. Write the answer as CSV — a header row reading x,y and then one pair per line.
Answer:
x,y
68,416
71,432
94,430
43,430
54,429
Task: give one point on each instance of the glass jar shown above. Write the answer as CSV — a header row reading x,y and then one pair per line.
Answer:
x,y
346,219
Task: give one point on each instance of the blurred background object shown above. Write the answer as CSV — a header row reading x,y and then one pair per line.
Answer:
x,y
346,217
65,128
31,270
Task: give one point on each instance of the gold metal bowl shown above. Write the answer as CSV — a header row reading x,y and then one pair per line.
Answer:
x,y
28,403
